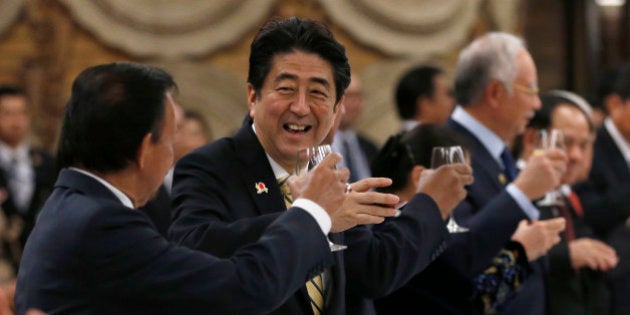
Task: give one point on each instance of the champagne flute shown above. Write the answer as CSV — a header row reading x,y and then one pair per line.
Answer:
x,y
545,140
307,159
449,155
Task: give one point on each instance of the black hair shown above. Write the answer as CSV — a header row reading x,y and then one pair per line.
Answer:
x,y
416,82
283,36
405,150
111,109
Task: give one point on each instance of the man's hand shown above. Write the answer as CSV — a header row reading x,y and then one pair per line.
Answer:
x,y
446,185
542,173
363,206
539,236
324,184
594,254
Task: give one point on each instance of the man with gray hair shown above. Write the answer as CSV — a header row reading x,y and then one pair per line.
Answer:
x,y
496,89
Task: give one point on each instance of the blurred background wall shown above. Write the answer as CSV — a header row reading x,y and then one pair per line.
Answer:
x,y
44,44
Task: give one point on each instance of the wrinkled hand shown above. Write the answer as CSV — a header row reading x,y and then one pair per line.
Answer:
x,y
363,206
446,185
542,173
324,184
591,253
538,237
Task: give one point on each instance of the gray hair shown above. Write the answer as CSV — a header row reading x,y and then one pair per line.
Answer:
x,y
492,56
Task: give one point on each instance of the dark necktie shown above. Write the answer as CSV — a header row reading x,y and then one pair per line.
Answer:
x,y
347,156
508,163
565,212
314,286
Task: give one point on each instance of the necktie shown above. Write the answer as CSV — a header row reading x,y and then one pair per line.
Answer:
x,y
347,155
314,286
569,232
575,203
508,163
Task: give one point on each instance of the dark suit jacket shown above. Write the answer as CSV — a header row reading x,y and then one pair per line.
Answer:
x,y
369,148
492,215
45,174
570,291
218,210
606,201
159,210
89,254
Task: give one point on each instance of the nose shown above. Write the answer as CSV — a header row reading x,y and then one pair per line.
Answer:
x,y
300,105
536,102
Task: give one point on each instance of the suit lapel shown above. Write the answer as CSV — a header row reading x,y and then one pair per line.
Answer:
x,y
613,156
483,163
257,173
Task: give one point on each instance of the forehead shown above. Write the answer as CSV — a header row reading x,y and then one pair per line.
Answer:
x,y
568,117
12,101
300,65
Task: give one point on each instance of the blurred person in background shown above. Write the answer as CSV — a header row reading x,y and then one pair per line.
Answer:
x,y
423,96
357,150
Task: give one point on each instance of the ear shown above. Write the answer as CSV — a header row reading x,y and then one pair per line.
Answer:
x,y
144,151
251,99
414,176
494,92
339,104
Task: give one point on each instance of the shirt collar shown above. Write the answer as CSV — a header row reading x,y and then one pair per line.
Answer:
x,y
278,171
409,124
119,194
620,141
488,139
7,153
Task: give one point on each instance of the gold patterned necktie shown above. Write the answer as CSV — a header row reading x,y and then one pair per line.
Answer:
x,y
314,286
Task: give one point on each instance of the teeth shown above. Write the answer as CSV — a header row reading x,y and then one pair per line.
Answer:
x,y
296,127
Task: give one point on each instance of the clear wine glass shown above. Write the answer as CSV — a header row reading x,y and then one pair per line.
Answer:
x,y
546,140
449,155
307,159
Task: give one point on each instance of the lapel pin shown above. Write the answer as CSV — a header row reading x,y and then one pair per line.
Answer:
x,y
502,179
261,188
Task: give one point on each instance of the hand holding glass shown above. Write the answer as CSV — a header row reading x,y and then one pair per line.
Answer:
x,y
545,140
306,160
449,155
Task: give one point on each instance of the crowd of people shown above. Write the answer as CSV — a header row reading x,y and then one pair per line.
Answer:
x,y
142,211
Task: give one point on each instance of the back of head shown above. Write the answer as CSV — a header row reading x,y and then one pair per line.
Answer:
x,y
111,109
283,36
416,82
405,150
492,56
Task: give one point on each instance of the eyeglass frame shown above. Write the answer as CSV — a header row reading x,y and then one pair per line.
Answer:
x,y
529,90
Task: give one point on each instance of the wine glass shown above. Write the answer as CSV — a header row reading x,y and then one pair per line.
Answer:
x,y
449,155
545,140
307,159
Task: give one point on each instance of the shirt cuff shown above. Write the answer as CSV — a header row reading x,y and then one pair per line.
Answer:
x,y
523,202
319,214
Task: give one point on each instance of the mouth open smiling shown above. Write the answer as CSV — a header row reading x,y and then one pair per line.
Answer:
x,y
293,128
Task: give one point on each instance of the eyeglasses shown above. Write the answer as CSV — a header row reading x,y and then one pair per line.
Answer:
x,y
529,90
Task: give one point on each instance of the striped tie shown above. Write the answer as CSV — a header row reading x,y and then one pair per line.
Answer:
x,y
314,286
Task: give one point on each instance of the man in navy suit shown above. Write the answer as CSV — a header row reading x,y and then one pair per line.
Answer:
x,y
606,196
496,89
93,252
297,77
27,173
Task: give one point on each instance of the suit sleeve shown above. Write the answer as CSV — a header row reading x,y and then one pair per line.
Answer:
x,y
394,251
130,259
491,227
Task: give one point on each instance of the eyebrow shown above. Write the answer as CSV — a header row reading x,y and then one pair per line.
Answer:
x,y
289,76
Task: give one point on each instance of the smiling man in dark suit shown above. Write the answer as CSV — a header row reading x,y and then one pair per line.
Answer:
x,y
93,252
298,74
